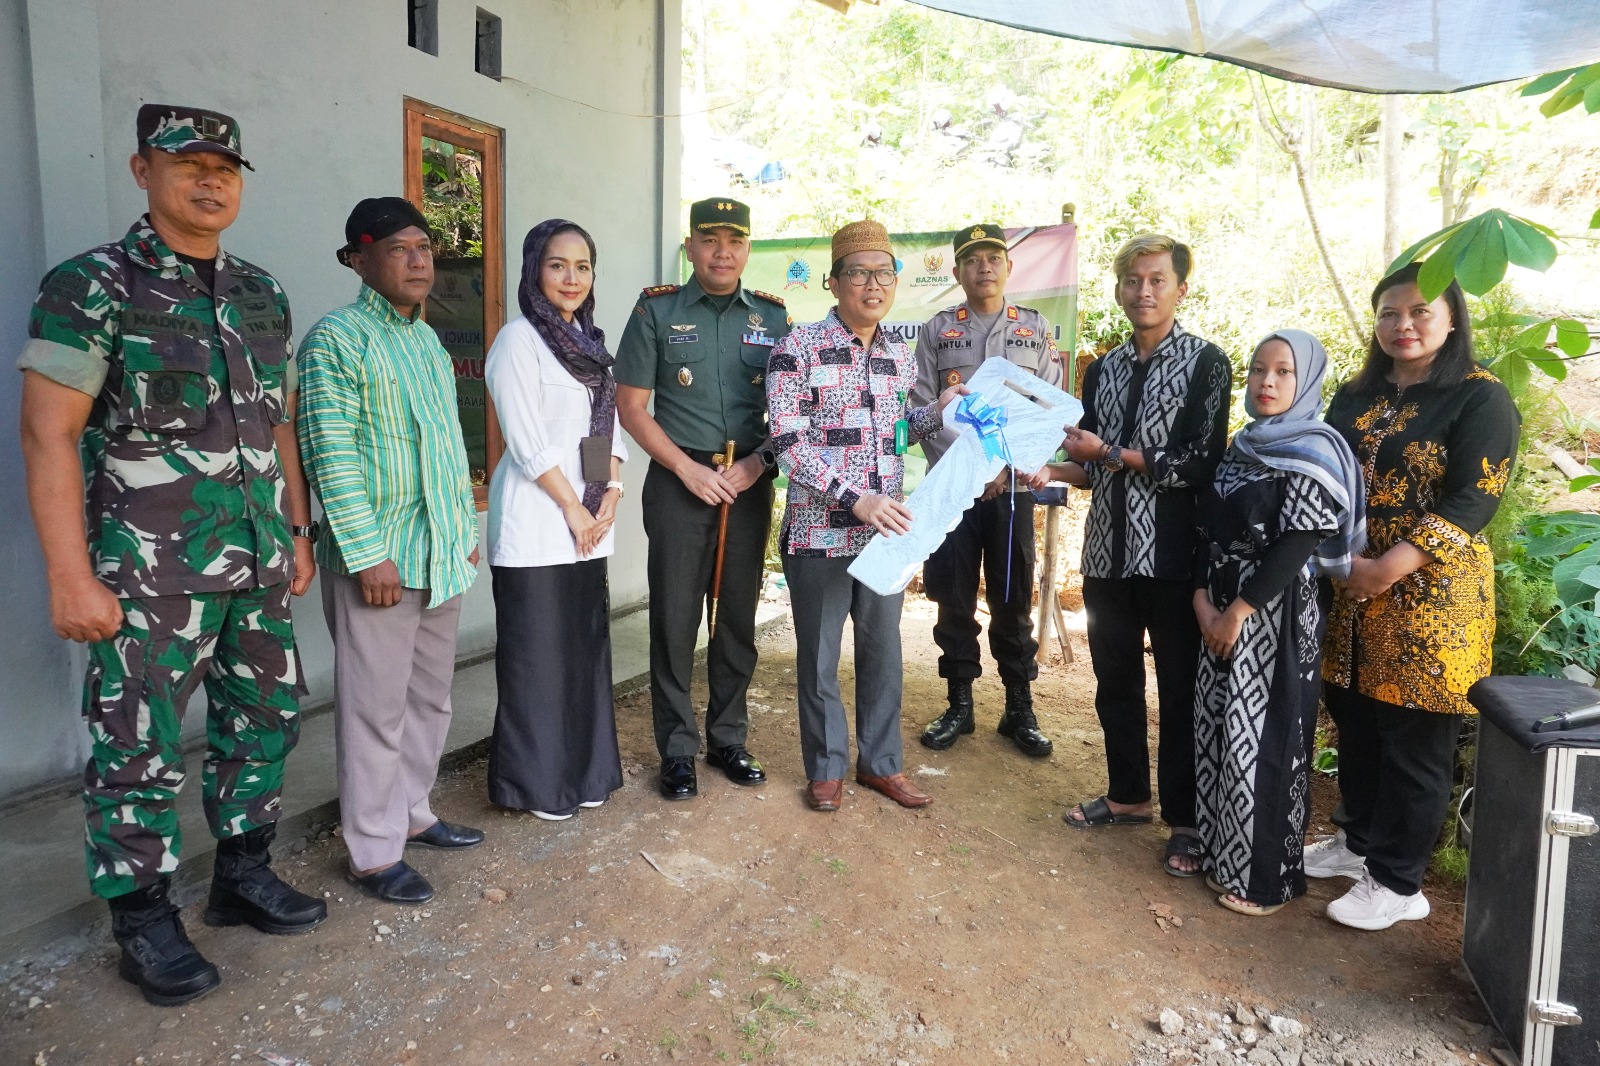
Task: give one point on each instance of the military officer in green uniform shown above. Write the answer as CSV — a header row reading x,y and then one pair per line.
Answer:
x,y
174,520
996,533
702,349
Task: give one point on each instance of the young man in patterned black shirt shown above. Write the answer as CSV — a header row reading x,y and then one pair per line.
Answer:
x,y
1154,427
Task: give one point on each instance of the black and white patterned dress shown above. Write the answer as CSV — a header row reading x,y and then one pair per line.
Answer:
x,y
1256,714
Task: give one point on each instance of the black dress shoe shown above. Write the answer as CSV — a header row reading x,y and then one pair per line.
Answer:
x,y
443,835
394,884
677,778
739,765
245,891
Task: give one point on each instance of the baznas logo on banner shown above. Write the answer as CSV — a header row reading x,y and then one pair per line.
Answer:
x,y
1044,276
799,273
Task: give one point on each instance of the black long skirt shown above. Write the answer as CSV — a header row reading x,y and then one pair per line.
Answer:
x,y
555,730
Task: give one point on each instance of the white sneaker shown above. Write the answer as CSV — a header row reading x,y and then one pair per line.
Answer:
x,y
593,803
547,816
1370,905
1332,857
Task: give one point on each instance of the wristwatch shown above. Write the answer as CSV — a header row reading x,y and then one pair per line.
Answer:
x,y
618,486
769,458
308,532
1113,459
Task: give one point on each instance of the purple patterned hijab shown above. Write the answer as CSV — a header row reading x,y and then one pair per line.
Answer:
x,y
579,346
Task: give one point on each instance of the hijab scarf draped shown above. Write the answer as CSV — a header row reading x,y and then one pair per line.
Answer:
x,y
579,346
1297,441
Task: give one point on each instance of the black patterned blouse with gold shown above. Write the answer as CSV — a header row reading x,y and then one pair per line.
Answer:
x,y
1435,461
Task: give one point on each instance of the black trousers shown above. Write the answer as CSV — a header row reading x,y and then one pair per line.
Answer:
x,y
1396,772
683,546
1121,611
950,577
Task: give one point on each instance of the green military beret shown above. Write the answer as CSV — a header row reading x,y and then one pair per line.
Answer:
x,y
175,129
979,235
719,211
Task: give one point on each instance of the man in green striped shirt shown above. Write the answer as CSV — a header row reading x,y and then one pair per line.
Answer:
x,y
382,446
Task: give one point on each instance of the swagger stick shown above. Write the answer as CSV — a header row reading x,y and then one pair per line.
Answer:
x,y
720,460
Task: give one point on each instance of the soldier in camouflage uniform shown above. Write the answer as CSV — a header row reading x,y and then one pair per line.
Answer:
x,y
158,378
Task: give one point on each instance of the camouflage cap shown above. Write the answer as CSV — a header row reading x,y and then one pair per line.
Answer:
x,y
176,129
977,236
719,211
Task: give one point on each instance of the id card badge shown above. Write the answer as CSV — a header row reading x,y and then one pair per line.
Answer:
x,y
595,455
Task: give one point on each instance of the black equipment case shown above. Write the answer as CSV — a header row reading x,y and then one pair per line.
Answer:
x,y
1532,936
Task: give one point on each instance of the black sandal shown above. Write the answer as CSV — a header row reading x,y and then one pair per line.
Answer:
x,y
1097,813
1184,844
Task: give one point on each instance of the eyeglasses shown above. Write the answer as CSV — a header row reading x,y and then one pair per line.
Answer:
x,y
858,276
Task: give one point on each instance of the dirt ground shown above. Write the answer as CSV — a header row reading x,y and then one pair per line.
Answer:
x,y
742,927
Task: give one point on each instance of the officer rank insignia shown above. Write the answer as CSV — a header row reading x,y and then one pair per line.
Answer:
x,y
1011,313
661,290
961,314
685,376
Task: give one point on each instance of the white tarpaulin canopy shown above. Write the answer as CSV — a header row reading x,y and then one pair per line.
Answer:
x,y
1381,46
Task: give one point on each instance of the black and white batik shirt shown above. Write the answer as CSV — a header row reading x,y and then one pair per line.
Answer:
x,y
1173,409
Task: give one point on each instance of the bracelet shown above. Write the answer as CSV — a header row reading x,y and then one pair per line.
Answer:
x,y
618,486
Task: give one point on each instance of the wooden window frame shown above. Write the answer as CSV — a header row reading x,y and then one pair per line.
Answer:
x,y
425,120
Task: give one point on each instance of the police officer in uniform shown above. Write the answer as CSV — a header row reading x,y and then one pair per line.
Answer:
x,y
702,349
159,374
996,533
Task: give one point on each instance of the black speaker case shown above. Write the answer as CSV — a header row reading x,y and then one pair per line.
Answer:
x,y
1533,897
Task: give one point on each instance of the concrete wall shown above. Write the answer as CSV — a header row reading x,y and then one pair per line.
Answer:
x,y
318,91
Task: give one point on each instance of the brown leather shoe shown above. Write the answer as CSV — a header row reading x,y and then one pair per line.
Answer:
x,y
825,795
897,788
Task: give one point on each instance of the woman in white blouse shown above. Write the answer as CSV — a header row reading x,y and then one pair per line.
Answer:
x,y
552,506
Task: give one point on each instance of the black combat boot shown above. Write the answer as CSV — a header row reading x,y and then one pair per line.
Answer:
x,y
1020,725
957,718
156,953
245,890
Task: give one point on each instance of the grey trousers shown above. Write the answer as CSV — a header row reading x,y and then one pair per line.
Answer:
x,y
821,595
392,669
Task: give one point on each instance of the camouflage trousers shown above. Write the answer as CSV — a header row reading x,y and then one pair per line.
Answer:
x,y
241,644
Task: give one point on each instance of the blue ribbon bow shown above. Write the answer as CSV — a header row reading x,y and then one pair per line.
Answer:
x,y
989,422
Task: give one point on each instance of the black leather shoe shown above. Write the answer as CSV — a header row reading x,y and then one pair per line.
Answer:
x,y
677,778
156,952
245,891
942,732
443,835
394,884
1019,723
739,765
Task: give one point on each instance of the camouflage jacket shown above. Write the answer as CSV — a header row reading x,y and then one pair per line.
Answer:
x,y
184,491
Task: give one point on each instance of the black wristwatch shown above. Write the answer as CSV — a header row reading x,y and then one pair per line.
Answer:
x,y
769,458
1113,459
308,532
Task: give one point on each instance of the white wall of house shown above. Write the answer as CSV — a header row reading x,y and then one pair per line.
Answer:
x,y
317,88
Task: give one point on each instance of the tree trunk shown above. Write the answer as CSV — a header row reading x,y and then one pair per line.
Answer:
x,y
1393,143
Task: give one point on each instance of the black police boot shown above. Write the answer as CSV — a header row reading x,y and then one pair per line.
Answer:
x,y
156,953
1019,723
942,732
244,890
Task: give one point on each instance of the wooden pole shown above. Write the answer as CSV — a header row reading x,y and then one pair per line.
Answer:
x,y
1049,602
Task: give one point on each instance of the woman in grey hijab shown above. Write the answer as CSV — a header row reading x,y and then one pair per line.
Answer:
x,y
1287,507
